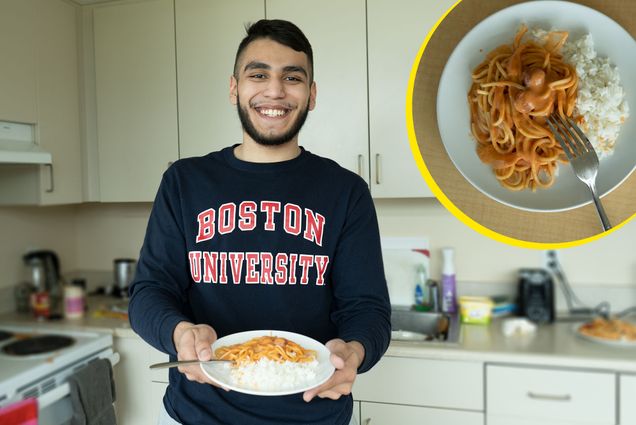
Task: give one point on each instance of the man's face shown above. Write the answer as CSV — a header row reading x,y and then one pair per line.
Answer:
x,y
273,93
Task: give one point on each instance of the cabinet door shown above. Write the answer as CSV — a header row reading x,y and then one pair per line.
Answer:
x,y
139,390
338,127
208,34
627,403
58,127
381,414
18,87
135,85
423,382
396,30
520,394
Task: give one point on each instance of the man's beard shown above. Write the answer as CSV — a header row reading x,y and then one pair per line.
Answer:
x,y
263,139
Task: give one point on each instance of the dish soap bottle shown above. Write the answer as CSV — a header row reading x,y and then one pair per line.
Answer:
x,y
419,287
449,287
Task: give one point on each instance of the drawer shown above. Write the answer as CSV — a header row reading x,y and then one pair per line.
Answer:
x,y
550,394
423,382
628,395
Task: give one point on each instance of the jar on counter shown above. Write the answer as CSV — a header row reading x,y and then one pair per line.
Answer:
x,y
73,302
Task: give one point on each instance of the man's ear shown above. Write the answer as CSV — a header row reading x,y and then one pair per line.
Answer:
x,y
312,96
233,90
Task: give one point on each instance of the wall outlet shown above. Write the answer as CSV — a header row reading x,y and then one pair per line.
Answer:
x,y
550,259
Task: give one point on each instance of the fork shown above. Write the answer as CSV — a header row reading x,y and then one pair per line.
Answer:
x,y
581,155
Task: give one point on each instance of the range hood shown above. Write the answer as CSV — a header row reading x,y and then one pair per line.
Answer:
x,y
18,146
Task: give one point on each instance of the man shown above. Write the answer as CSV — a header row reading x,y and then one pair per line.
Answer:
x,y
263,235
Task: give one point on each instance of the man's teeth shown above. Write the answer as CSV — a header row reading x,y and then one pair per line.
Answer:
x,y
273,112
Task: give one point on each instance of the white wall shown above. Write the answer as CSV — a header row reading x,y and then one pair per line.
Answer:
x,y
28,228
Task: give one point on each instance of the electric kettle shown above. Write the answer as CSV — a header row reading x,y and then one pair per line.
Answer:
x,y
44,271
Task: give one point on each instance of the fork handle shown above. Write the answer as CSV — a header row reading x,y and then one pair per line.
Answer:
x,y
601,212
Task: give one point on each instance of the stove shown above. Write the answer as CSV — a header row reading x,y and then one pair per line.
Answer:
x,y
35,362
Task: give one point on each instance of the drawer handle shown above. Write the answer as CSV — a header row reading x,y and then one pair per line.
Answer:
x,y
550,397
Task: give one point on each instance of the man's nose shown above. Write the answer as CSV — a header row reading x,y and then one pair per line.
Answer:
x,y
275,88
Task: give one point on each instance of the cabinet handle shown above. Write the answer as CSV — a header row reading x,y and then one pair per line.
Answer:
x,y
51,182
550,397
360,165
377,168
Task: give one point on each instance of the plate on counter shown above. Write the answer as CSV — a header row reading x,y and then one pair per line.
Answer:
x,y
614,332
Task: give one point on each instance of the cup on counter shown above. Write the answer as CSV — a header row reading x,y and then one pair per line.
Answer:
x,y
41,304
73,302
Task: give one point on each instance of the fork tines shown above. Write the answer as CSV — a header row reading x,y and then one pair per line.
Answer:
x,y
571,138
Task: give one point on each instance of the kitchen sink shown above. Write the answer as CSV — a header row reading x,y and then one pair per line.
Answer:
x,y
419,326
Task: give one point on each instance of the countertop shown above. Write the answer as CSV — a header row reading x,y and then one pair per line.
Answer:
x,y
554,345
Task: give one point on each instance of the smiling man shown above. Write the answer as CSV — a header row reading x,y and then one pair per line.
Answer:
x,y
263,235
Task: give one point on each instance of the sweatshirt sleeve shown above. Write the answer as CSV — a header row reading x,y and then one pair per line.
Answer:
x,y
362,307
158,294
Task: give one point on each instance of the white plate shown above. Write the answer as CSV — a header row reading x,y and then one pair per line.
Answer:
x,y
605,341
453,116
220,372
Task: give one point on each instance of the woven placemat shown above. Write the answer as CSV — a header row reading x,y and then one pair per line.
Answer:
x,y
536,227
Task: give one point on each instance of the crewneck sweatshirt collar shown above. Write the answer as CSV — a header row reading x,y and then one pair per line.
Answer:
x,y
263,167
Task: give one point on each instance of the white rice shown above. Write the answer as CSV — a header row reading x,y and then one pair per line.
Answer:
x,y
601,98
269,375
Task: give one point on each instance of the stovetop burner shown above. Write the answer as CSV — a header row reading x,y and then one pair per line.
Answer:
x,y
37,345
4,335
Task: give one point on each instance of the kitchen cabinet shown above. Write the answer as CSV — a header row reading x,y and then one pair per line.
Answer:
x,y
338,127
627,404
18,71
380,413
409,390
136,101
208,34
39,85
396,30
139,390
526,395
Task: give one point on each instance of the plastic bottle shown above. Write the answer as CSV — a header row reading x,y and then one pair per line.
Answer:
x,y
420,295
73,302
449,287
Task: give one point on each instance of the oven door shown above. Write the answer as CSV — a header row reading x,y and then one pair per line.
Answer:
x,y
55,407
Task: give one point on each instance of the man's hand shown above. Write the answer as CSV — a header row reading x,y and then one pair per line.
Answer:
x,y
346,357
194,342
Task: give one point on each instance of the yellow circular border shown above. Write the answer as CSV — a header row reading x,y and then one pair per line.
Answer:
x,y
419,159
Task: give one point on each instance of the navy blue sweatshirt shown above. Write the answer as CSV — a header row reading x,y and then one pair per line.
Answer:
x,y
291,246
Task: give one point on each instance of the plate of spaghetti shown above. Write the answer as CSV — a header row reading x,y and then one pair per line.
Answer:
x,y
269,363
514,69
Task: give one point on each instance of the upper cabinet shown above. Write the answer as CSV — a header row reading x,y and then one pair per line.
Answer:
x,y
208,34
338,127
396,30
18,86
39,85
135,94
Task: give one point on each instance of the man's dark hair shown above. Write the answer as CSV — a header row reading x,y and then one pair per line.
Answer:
x,y
280,31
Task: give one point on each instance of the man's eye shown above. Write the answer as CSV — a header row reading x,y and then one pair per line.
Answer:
x,y
257,76
293,78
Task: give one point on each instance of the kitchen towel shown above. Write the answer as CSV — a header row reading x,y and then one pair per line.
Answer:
x,y
24,412
93,394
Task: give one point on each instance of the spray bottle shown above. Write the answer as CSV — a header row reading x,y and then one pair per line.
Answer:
x,y
449,287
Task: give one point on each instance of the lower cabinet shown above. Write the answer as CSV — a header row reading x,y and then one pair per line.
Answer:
x,y
385,414
139,390
627,401
401,390
518,395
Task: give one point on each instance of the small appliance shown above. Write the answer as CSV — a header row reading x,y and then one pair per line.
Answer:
x,y
124,274
536,295
44,271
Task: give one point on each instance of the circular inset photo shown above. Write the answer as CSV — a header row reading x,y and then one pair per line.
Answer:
x,y
521,115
